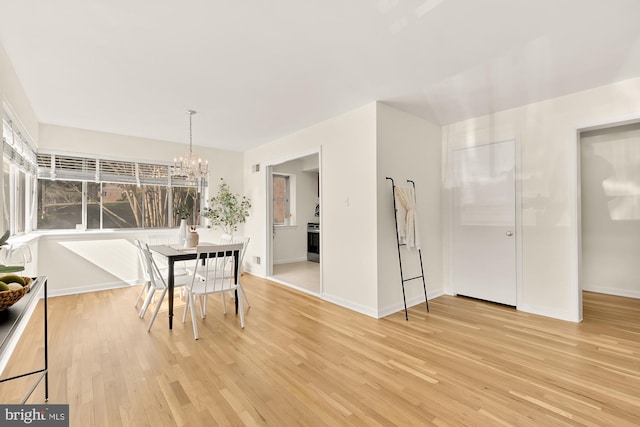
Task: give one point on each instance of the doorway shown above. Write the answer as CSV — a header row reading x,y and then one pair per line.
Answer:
x,y
293,200
484,258
609,180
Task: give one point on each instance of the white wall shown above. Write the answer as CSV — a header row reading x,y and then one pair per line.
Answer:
x,y
348,203
290,242
547,136
12,94
610,208
408,148
222,163
11,91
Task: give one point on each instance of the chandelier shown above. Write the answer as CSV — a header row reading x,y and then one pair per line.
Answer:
x,y
190,168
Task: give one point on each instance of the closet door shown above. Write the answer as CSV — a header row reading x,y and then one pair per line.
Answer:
x,y
484,244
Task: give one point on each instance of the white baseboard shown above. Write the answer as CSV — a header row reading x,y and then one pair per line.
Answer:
x,y
91,288
367,311
399,306
629,293
293,286
547,312
289,261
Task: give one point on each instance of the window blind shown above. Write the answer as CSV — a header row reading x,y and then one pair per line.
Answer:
x,y
16,148
63,166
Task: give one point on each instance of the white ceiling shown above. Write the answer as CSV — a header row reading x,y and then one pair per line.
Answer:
x,y
257,70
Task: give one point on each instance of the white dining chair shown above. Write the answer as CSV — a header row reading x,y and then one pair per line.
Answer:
x,y
158,282
210,277
145,272
177,272
226,240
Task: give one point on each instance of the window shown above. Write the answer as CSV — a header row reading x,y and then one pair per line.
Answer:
x,y
110,194
156,206
187,197
281,199
59,204
18,169
122,207
6,194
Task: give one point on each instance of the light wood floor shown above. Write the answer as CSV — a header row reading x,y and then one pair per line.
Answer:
x,y
304,274
302,361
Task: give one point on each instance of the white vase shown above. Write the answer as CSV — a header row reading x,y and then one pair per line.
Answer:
x,y
182,232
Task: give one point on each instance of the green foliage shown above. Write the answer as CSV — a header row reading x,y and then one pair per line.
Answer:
x,y
182,211
8,268
226,210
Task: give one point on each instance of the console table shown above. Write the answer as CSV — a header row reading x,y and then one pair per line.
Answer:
x,y
13,321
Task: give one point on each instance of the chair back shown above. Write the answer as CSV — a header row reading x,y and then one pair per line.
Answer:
x,y
227,240
209,264
155,276
142,257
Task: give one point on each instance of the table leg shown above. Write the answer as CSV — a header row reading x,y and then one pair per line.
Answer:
x,y
235,275
170,286
46,345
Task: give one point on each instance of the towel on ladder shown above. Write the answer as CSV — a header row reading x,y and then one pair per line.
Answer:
x,y
406,215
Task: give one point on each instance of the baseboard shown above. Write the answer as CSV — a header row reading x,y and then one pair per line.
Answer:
x,y
545,311
91,288
367,311
292,286
399,306
629,293
289,261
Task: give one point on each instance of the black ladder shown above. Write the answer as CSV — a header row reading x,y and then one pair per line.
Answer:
x,y
402,279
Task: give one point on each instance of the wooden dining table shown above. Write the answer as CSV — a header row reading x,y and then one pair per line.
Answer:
x,y
175,253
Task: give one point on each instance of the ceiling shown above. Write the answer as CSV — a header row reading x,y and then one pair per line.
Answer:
x,y
258,70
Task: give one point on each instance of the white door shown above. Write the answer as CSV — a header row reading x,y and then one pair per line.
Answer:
x,y
484,243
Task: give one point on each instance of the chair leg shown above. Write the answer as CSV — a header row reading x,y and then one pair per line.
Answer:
x,y
244,295
145,288
205,298
155,312
241,310
150,295
224,303
192,306
202,300
186,307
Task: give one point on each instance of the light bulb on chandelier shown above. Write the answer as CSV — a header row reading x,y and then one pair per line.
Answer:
x,y
190,168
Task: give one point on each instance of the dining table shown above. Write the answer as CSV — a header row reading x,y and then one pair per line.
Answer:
x,y
177,253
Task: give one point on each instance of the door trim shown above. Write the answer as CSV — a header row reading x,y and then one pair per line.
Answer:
x,y
268,170
448,204
575,273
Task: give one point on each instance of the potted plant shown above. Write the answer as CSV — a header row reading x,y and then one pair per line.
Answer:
x,y
226,210
183,213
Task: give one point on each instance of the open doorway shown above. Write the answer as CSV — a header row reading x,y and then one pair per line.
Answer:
x,y
294,223
610,210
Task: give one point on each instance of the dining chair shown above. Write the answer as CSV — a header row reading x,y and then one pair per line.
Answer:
x,y
226,240
158,282
145,272
210,277
178,271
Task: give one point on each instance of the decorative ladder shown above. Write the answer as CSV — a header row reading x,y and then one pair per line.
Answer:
x,y
402,279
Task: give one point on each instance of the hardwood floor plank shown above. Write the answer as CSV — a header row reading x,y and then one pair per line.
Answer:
x,y
303,361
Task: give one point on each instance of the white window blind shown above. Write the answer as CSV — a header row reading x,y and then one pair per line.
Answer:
x,y
63,166
16,147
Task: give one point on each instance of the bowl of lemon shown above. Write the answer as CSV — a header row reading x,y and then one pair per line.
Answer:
x,y
12,288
